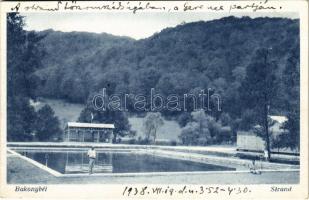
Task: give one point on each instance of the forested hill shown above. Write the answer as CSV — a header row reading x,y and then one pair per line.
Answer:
x,y
64,53
62,47
176,60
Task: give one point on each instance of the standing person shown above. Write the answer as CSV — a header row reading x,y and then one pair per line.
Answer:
x,y
92,155
266,155
253,168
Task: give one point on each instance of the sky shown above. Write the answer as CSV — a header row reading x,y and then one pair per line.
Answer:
x,y
137,26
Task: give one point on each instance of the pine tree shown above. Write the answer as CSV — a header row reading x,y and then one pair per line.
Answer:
x,y
291,79
47,124
23,58
259,89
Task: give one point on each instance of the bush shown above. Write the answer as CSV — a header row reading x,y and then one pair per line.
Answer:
x,y
224,135
163,142
248,118
144,141
225,119
205,130
173,143
132,141
183,119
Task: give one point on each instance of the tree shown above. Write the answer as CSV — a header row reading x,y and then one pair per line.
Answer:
x,y
259,89
292,125
190,134
152,122
146,79
291,81
23,58
198,131
21,119
201,119
280,141
85,116
248,119
225,119
47,124
184,118
203,129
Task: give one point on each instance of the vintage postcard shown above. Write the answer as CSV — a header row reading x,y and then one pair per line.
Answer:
x,y
154,99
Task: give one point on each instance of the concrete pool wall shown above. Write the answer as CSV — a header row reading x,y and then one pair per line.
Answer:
x,y
35,163
239,164
227,151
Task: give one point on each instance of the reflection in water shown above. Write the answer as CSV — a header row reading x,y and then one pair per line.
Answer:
x,y
114,162
79,163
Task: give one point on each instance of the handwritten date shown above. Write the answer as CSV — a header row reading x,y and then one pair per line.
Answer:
x,y
185,190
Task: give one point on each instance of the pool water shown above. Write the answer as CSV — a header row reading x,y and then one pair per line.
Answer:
x,y
116,162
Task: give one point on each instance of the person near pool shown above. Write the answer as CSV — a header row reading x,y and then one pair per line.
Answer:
x,y
92,155
253,168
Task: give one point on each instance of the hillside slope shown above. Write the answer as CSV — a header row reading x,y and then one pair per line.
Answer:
x,y
178,60
67,112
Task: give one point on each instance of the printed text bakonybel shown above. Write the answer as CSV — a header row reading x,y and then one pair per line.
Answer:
x,y
34,189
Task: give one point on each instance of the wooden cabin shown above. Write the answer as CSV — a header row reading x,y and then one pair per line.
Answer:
x,y
88,132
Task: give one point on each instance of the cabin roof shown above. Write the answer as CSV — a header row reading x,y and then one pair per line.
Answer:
x,y
89,125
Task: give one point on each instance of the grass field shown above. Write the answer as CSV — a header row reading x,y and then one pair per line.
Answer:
x,y
169,131
70,112
64,111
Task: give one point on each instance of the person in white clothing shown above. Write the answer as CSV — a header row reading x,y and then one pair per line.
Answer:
x,y
253,168
92,155
266,155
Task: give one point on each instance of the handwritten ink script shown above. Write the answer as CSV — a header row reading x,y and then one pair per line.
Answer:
x,y
185,190
135,6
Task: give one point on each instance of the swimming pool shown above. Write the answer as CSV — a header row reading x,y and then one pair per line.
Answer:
x,y
75,162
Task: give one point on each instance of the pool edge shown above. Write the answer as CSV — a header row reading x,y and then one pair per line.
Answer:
x,y
35,163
